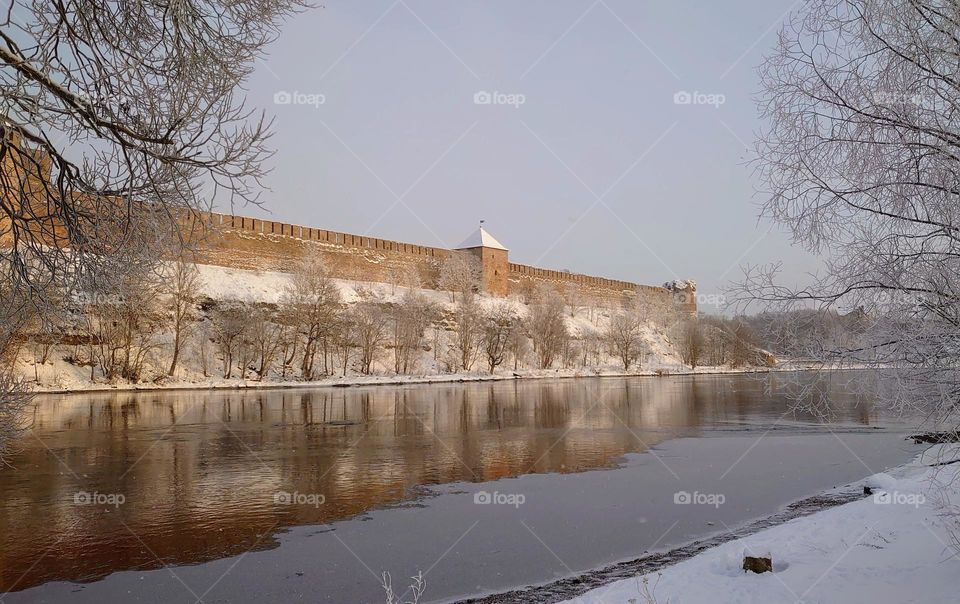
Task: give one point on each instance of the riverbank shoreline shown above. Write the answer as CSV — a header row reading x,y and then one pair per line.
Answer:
x,y
652,562
889,545
394,380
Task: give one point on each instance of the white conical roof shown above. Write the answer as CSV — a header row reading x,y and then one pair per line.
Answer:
x,y
480,238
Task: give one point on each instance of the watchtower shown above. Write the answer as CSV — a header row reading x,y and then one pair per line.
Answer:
x,y
493,260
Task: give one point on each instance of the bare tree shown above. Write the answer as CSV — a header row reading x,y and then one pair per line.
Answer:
x,y
15,313
498,327
45,332
410,277
409,321
267,336
342,338
547,327
574,297
467,330
229,325
369,329
805,333
110,109
203,348
623,337
743,349
858,159
717,339
460,272
403,276
183,284
570,353
591,344
289,339
528,291
314,301
113,113
124,322
518,344
690,342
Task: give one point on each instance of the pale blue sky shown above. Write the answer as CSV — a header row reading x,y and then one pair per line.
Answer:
x,y
399,120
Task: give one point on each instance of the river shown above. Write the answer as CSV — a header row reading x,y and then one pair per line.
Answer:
x,y
289,495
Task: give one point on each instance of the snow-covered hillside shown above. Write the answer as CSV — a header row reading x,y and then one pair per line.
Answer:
x,y
65,368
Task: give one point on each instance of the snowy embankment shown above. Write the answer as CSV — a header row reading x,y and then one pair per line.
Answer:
x,y
62,373
893,546
213,383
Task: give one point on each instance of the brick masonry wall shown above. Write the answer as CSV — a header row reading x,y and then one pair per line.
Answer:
x,y
252,243
255,244
523,277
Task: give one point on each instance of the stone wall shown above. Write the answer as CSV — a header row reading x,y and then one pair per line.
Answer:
x,y
252,243
496,269
255,244
522,278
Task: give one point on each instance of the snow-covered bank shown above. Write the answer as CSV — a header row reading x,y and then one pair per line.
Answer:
x,y
78,359
893,546
393,380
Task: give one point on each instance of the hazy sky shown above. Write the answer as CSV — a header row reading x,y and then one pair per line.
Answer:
x,y
583,161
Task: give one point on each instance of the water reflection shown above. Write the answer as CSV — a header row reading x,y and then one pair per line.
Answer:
x,y
201,471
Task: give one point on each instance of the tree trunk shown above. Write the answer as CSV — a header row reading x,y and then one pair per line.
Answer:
x,y
176,353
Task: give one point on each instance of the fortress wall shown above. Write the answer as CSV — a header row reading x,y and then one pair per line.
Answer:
x,y
523,277
256,244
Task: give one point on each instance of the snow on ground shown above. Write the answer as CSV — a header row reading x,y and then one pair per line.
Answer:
x,y
61,372
889,547
59,376
221,283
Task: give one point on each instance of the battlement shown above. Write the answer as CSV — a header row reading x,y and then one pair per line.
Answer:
x,y
253,243
226,223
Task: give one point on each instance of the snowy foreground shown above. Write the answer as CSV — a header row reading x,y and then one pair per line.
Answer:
x,y
893,546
